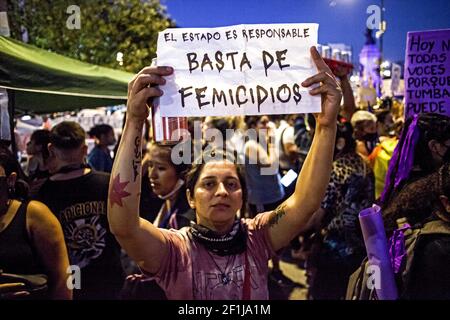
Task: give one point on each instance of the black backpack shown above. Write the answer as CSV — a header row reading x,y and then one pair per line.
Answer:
x,y
358,288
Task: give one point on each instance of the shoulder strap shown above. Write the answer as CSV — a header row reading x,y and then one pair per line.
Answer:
x,y
21,216
17,225
436,227
357,288
412,239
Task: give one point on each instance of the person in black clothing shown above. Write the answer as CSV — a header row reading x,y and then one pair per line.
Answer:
x,y
78,197
423,146
421,202
410,192
31,239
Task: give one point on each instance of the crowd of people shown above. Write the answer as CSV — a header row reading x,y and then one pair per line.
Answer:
x,y
139,225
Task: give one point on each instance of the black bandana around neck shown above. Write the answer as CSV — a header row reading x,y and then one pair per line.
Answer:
x,y
234,242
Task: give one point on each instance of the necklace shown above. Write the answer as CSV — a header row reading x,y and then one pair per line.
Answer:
x,y
224,277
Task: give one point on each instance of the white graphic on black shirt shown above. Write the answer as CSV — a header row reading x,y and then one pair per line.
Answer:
x,y
85,240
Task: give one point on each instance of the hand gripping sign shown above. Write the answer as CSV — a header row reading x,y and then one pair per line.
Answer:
x,y
238,70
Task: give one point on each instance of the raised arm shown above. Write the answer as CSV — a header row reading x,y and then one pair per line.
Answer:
x,y
349,107
293,215
141,240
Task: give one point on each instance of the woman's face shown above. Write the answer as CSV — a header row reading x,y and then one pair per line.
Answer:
x,y
340,144
162,174
32,147
217,194
108,139
370,126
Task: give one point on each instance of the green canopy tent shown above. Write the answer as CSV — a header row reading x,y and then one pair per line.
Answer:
x,y
38,81
45,82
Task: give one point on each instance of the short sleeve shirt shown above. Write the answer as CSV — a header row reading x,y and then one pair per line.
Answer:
x,y
189,271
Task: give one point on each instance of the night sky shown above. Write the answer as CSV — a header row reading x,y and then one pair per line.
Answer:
x,y
341,21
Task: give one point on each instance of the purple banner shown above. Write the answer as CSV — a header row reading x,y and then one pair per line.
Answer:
x,y
427,72
381,275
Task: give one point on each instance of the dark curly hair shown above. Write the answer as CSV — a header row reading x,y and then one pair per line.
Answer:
x,y
432,126
415,151
419,201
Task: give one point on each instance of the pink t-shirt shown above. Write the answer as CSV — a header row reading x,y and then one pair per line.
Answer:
x,y
189,273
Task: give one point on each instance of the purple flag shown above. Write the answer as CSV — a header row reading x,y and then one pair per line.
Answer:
x,y
427,72
381,275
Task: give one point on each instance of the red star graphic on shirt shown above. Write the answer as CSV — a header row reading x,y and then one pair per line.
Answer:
x,y
118,191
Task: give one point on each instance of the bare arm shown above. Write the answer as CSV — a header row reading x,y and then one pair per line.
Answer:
x,y
141,240
347,92
48,239
292,216
349,99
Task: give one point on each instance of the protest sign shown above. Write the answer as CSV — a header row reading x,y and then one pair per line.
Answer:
x,y
238,70
427,72
367,97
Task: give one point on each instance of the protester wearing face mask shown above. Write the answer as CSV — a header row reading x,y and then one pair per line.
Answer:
x,y
385,125
100,157
364,126
167,182
423,146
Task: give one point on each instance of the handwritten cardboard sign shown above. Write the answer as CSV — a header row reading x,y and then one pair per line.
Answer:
x,y
238,70
427,72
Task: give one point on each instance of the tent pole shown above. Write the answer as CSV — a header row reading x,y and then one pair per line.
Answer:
x,y
11,109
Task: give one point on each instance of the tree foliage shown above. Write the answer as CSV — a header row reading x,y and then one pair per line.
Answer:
x,y
107,27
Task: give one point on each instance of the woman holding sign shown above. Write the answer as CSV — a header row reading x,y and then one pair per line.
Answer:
x,y
220,257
